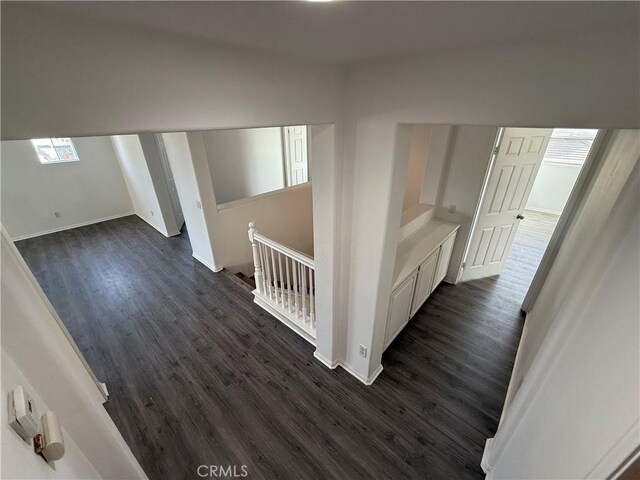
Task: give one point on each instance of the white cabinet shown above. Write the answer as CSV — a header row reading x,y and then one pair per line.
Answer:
x,y
422,260
443,260
424,283
399,308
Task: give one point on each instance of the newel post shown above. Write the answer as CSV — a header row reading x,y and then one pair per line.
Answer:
x,y
257,265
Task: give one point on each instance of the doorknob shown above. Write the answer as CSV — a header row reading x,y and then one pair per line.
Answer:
x,y
520,217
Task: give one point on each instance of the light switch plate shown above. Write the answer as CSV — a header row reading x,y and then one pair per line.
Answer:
x,y
22,414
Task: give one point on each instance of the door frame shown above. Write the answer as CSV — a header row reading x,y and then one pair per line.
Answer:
x,y
580,188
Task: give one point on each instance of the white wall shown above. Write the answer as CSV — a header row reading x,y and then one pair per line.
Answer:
x,y
615,159
552,187
159,180
576,414
245,162
87,191
285,216
542,84
139,183
18,458
148,80
210,86
34,338
192,200
420,138
467,163
435,169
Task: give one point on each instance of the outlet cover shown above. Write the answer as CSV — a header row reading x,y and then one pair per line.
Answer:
x,y
363,351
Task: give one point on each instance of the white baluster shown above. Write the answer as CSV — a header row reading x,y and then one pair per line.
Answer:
x,y
267,269
312,303
257,264
294,266
274,277
286,264
264,269
304,292
281,279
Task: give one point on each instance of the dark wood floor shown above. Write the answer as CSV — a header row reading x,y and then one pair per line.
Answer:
x,y
199,375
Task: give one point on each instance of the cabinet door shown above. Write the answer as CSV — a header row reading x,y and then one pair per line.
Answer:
x,y
424,284
399,308
443,260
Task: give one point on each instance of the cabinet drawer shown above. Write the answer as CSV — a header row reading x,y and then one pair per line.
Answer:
x,y
399,308
424,283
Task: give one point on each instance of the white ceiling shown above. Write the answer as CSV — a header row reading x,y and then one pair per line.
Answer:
x,y
355,31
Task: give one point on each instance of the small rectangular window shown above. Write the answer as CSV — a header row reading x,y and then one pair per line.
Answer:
x,y
55,150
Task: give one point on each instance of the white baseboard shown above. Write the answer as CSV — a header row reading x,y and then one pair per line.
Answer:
x,y
339,363
365,380
70,227
206,264
104,389
324,360
156,227
484,463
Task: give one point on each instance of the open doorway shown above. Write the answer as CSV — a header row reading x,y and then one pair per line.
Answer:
x,y
532,174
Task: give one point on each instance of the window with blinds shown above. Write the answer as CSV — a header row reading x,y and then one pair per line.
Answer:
x,y
54,150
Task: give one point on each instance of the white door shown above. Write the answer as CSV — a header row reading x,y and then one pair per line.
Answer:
x,y
295,154
511,178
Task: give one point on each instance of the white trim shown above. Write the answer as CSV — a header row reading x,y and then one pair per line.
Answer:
x,y
484,462
70,227
296,328
365,380
580,188
173,234
261,196
325,361
104,389
153,225
205,263
620,456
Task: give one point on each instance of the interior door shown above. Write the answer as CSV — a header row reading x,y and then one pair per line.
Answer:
x,y
514,169
295,149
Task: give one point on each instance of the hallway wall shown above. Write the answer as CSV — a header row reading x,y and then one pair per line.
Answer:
x,y
489,86
89,190
136,172
576,413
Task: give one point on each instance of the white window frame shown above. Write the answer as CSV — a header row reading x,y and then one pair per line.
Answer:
x,y
47,159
